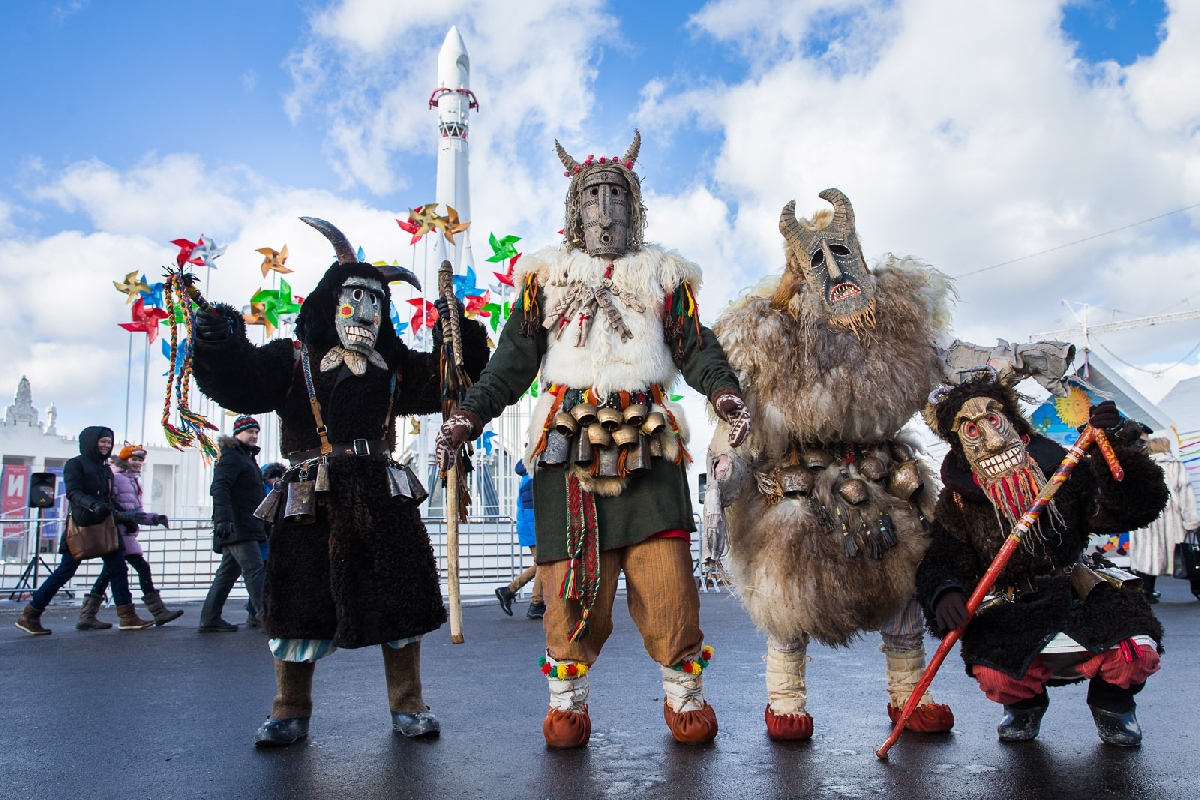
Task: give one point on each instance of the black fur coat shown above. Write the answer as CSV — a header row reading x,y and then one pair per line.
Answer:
x,y
967,535
364,573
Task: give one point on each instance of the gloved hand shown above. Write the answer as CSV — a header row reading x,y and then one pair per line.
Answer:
x,y
1104,415
101,508
160,519
441,306
223,530
214,326
951,610
127,518
730,406
459,428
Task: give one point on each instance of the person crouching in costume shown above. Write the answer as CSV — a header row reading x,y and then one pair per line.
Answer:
x,y
353,566
610,321
1036,627
826,502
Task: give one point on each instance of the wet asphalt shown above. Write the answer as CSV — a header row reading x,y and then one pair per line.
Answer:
x,y
171,713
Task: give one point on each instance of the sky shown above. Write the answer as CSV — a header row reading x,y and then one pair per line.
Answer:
x,y
968,135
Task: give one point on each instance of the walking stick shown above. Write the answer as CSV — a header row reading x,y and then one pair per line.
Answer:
x,y
454,385
1072,458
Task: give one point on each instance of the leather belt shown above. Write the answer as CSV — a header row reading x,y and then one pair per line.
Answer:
x,y
362,448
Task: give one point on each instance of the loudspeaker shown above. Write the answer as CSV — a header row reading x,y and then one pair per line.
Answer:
x,y
42,486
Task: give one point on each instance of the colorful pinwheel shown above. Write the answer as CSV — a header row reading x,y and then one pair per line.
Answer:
x,y
397,325
274,260
425,316
144,320
255,314
496,313
464,285
186,248
276,302
502,248
476,305
484,442
132,287
421,220
152,295
206,251
449,224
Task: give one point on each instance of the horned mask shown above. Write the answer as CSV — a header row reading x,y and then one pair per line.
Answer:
x,y
830,259
605,216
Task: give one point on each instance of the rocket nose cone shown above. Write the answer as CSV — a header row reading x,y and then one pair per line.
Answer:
x,y
454,66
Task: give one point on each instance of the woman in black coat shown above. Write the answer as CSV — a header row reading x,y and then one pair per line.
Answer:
x,y
89,483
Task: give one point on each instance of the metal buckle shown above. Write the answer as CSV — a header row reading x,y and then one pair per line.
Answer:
x,y
366,447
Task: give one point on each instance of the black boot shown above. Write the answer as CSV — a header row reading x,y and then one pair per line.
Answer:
x,y
1114,712
1023,719
1148,582
292,708
536,611
410,716
505,596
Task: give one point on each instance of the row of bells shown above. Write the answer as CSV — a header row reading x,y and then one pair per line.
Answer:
x,y
902,481
589,436
299,502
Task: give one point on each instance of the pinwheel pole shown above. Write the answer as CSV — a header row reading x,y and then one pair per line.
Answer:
x,y
454,386
1028,520
128,383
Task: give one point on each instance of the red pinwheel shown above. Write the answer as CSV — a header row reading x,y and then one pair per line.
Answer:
x,y
476,304
186,247
145,320
507,277
426,314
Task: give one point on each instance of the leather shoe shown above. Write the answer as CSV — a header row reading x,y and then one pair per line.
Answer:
x,y
929,718
505,597
415,726
691,727
1021,724
566,729
281,732
1120,729
788,727
536,611
218,626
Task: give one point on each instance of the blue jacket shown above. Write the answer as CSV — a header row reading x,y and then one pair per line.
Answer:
x,y
526,534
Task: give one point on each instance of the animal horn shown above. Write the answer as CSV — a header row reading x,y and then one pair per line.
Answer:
x,y
571,164
341,245
632,153
791,229
843,212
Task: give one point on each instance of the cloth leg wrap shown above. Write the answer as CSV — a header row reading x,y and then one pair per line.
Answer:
x,y
904,670
684,691
566,694
787,666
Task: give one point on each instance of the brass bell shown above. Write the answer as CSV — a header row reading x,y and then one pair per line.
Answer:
x,y
609,417
609,458
598,436
656,445
872,468
853,491
583,450
655,422
636,413
815,459
268,509
797,480
558,450
301,508
904,480
584,414
626,435
322,482
902,452
565,424
637,457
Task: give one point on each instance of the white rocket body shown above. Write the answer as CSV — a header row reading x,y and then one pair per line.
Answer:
x,y
453,181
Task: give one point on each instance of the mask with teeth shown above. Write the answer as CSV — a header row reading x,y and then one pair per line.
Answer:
x,y
998,456
827,252
359,313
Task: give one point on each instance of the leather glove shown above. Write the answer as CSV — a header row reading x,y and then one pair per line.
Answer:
x,y
1105,415
127,518
223,530
459,428
730,406
440,304
951,610
214,326
101,508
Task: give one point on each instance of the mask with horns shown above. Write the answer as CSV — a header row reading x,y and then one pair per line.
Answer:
x,y
605,216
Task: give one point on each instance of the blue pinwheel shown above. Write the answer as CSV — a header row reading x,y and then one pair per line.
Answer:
x,y
464,285
152,295
484,442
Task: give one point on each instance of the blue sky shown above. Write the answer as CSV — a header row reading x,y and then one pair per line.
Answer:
x,y
1035,124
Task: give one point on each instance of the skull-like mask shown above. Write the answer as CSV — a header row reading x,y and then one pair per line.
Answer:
x,y
989,441
359,313
833,264
605,211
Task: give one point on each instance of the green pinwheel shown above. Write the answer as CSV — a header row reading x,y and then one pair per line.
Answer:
x,y
502,248
276,302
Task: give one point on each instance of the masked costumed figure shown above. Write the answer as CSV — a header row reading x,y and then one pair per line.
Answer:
x,y
1050,619
351,563
609,321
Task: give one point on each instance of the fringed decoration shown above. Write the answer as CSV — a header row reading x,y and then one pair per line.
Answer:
x,y
532,322
680,307
582,581
861,323
694,665
560,670
193,427
660,400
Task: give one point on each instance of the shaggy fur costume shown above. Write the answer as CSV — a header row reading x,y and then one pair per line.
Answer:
x,y
809,383
968,534
364,572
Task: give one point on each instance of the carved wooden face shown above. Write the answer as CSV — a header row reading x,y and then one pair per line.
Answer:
x,y
359,314
604,206
988,438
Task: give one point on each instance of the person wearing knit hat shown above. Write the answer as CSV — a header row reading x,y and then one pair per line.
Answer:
x,y
244,423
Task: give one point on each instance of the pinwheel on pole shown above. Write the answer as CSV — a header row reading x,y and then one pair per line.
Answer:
x,y
144,320
204,253
132,287
276,302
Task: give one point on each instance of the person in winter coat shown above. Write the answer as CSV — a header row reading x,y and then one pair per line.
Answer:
x,y
236,493
127,497
526,537
1152,548
89,483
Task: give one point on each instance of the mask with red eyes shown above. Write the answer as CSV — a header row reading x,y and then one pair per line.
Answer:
x,y
999,459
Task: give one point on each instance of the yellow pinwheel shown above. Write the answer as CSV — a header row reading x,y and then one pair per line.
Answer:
x,y
132,287
274,260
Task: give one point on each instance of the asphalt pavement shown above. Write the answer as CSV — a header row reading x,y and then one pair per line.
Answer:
x,y
171,713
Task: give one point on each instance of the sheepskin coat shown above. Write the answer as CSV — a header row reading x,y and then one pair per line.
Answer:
x,y
645,503
364,572
968,533
1152,548
809,384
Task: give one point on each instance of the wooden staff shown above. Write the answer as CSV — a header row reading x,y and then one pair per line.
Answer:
x,y
1028,519
454,385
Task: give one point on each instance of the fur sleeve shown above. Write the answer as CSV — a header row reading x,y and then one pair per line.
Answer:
x,y
949,564
240,376
1129,504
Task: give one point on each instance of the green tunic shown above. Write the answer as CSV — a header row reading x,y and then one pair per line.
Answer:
x,y
651,502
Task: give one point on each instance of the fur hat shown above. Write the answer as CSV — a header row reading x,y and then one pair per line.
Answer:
x,y
130,450
244,423
273,470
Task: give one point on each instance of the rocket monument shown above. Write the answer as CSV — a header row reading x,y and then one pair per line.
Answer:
x,y
453,100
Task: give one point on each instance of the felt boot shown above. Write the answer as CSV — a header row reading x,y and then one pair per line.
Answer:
x,y
567,722
691,719
904,670
128,620
87,615
410,716
154,604
31,621
292,709
1023,719
787,693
